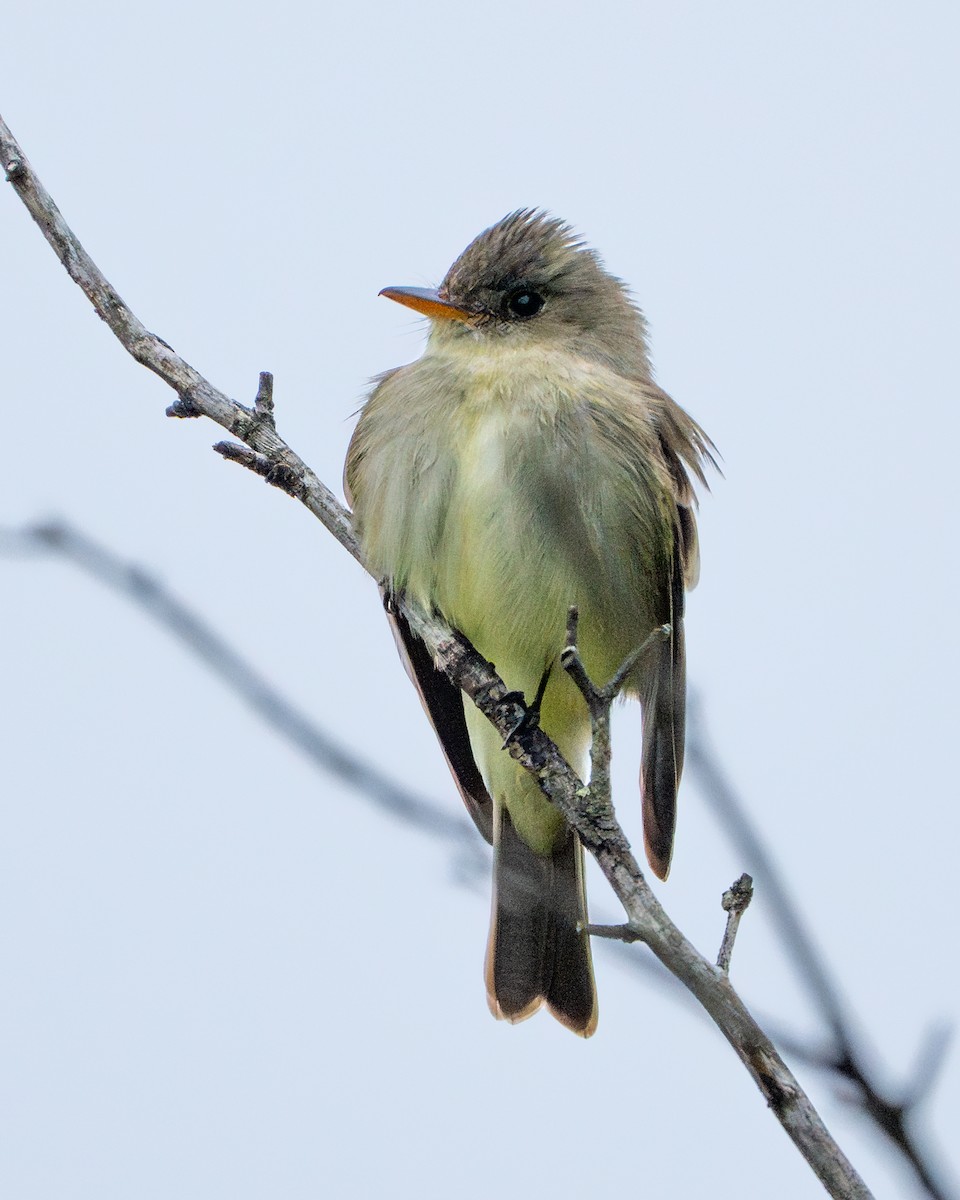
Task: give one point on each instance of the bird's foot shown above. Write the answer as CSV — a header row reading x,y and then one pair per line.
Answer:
x,y
530,718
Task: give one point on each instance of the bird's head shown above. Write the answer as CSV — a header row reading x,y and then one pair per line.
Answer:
x,y
531,279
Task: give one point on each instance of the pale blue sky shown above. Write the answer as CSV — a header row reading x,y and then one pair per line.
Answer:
x,y
223,975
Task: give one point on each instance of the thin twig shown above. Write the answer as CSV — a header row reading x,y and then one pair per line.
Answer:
x,y
236,452
278,474
263,404
598,830
615,933
599,701
735,901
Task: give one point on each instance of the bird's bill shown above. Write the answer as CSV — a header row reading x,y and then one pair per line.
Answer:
x,y
429,302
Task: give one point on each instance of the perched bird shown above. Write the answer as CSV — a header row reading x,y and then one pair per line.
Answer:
x,y
525,463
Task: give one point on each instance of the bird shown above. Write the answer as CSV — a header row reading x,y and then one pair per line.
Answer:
x,y
527,462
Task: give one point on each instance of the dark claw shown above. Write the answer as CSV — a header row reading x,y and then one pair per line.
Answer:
x,y
531,717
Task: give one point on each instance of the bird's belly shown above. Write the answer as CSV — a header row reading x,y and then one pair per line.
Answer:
x,y
518,547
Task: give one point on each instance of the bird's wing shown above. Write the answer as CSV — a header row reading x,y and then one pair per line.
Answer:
x,y
443,703
684,447
441,700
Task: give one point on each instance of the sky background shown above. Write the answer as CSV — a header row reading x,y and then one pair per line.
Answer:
x,y
226,975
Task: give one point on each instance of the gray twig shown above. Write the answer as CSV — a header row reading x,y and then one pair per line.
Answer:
x,y
599,702
616,933
263,405
735,901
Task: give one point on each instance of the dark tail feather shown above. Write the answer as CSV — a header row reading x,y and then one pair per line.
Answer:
x,y
517,951
535,952
571,994
664,702
662,760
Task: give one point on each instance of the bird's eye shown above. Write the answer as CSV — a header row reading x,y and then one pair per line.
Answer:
x,y
523,303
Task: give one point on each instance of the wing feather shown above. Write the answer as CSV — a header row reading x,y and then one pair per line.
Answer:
x,y
443,704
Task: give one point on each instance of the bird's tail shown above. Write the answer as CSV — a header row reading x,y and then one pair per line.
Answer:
x,y
536,953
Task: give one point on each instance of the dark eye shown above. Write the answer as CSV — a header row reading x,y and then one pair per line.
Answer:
x,y
524,303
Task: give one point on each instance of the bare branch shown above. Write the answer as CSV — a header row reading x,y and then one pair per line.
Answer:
x,y
263,404
616,933
236,452
276,473
599,702
735,901
196,394
596,825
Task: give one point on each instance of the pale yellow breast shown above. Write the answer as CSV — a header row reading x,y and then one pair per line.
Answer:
x,y
502,488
